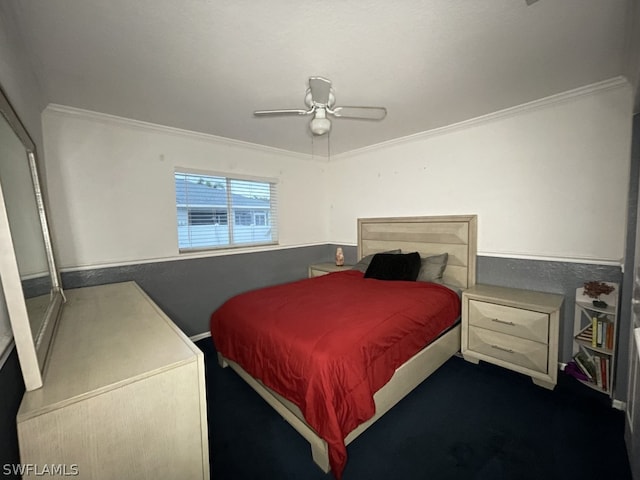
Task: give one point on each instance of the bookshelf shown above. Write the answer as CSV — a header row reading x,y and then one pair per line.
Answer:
x,y
594,339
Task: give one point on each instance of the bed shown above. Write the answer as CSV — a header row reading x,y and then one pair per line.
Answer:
x,y
339,412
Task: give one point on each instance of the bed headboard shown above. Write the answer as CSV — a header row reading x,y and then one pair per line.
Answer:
x,y
454,234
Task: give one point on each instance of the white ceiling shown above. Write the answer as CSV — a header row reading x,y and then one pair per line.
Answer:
x,y
206,65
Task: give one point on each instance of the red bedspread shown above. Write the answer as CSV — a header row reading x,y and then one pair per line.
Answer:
x,y
329,343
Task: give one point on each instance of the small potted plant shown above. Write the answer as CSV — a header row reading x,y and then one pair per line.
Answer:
x,y
595,289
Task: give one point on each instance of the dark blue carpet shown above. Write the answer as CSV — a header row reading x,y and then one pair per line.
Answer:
x,y
466,421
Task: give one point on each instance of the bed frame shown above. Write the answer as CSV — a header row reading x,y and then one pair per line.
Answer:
x,y
456,235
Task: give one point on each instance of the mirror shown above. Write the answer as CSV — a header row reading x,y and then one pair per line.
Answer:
x,y
30,282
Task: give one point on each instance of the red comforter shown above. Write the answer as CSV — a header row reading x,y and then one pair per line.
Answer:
x,y
329,343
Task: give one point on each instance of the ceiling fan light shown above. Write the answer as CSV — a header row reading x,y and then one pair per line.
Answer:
x,y
320,126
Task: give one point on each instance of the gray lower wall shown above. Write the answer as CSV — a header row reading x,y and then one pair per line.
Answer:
x,y
190,290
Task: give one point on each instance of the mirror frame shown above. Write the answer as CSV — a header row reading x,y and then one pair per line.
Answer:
x,y
32,350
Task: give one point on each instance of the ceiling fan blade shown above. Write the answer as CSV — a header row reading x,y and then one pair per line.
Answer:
x,y
260,113
363,113
320,90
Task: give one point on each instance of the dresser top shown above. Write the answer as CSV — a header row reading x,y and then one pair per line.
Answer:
x,y
107,336
519,298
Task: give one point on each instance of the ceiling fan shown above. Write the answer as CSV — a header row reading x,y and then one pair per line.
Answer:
x,y
320,101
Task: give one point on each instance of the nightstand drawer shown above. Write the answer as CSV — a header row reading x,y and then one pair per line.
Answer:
x,y
516,351
525,324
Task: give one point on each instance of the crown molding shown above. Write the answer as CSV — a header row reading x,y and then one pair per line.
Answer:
x,y
592,89
163,129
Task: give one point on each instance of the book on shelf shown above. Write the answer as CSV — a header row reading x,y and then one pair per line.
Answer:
x,y
586,365
604,373
598,375
599,334
601,331
606,341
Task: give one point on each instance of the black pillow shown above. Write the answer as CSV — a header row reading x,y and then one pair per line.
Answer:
x,y
398,266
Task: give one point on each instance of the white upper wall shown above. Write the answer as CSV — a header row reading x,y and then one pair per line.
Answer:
x,y
112,194
547,180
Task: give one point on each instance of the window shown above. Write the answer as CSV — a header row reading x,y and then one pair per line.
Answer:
x,y
200,216
206,202
243,217
260,218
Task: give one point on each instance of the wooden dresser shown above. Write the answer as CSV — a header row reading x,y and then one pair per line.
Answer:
x,y
124,393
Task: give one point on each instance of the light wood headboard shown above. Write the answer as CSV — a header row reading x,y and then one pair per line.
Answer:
x,y
455,234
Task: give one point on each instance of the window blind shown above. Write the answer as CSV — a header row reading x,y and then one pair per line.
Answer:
x,y
217,211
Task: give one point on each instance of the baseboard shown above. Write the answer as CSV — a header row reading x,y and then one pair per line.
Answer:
x,y
619,404
200,336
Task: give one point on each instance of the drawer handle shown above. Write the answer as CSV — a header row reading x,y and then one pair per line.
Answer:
x,y
508,350
504,322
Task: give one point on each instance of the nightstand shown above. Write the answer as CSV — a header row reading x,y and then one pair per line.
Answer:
x,y
317,269
513,328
